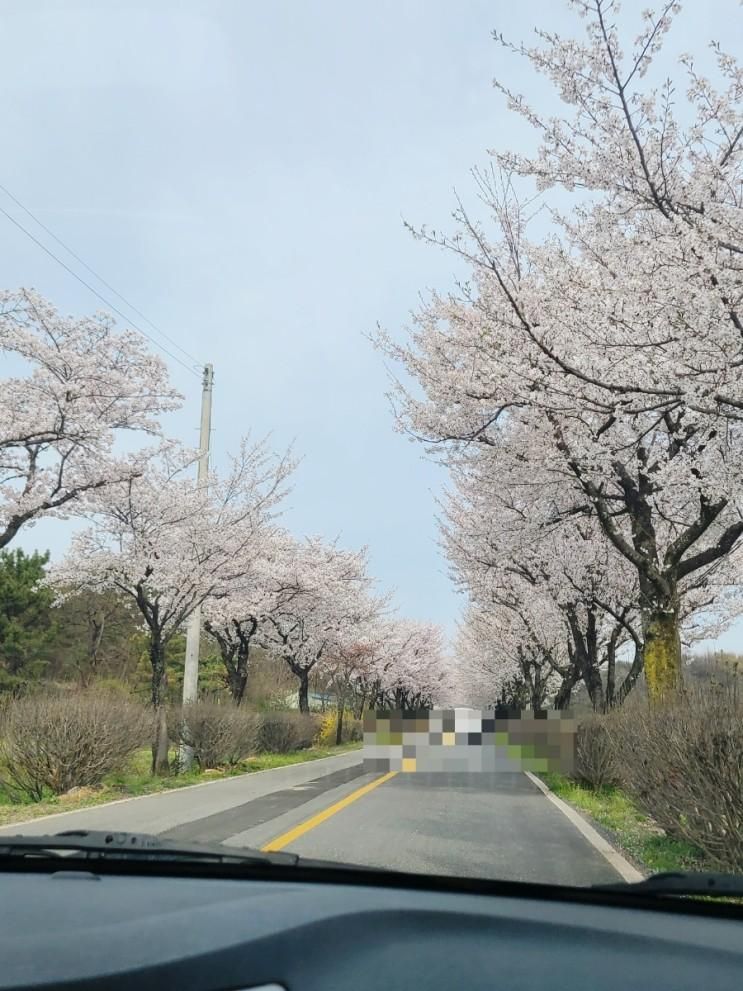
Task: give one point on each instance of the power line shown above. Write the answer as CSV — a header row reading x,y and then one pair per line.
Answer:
x,y
100,278
95,292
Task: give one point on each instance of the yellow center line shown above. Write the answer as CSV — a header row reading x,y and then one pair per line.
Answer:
x,y
304,827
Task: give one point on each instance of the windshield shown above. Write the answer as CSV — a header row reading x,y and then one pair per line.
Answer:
x,y
370,426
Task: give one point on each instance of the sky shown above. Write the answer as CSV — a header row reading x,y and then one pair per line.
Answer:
x,y
240,171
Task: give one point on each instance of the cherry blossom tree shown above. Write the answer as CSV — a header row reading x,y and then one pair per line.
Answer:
x,y
235,624
240,621
400,663
489,672
325,597
170,545
346,672
613,343
513,539
80,385
410,668
511,536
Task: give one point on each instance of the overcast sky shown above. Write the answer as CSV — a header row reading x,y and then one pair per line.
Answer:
x,y
239,171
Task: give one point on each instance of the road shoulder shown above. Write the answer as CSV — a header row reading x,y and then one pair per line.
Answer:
x,y
626,870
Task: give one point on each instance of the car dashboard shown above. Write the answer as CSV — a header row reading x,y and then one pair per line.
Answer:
x,y
76,929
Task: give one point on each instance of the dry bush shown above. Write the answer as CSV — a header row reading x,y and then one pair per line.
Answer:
x,y
281,732
681,760
307,726
352,731
271,681
57,742
220,733
595,760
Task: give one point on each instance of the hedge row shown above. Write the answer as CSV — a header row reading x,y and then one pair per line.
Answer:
x,y
52,743
681,761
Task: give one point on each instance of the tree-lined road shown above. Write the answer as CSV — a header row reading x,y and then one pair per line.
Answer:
x,y
499,826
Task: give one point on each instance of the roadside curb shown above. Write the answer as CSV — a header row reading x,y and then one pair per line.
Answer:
x,y
620,864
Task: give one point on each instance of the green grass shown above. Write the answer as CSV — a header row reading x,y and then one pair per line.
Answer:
x,y
631,832
135,779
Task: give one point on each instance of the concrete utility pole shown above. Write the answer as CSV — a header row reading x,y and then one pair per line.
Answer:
x,y
193,631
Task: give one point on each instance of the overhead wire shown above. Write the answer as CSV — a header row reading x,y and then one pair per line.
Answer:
x,y
194,369
97,275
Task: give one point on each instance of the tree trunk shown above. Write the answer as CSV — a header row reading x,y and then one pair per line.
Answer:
x,y
359,705
611,670
339,725
584,656
238,678
235,677
564,694
662,650
594,684
98,626
245,635
304,691
631,677
238,684
89,666
536,690
594,687
160,763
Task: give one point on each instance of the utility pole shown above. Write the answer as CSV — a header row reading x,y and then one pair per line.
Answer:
x,y
193,630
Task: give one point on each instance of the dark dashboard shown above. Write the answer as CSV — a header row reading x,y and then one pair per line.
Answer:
x,y
77,929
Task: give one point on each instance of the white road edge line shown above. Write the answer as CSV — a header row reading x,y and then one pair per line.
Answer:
x,y
168,791
623,867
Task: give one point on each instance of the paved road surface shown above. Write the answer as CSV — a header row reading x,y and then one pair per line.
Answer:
x,y
497,825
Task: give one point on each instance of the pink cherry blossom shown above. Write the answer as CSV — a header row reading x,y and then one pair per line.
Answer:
x,y
605,354
80,385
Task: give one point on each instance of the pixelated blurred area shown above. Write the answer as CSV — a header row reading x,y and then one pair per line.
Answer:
x,y
469,740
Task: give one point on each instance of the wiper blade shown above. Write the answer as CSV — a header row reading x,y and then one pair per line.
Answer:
x,y
108,845
681,883
92,844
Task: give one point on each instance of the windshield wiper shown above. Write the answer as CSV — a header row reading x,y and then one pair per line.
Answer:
x,y
680,883
92,844
104,846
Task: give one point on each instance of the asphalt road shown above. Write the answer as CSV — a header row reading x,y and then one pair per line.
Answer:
x,y
498,825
